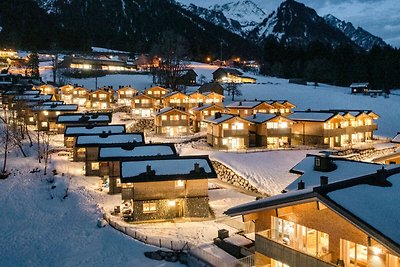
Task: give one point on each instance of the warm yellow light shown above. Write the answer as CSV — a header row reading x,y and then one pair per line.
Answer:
x,y
171,203
208,59
376,250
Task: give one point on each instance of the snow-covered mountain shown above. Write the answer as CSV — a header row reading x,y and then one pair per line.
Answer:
x,y
238,17
296,24
358,35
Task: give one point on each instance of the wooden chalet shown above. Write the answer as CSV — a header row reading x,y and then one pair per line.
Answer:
x,y
101,99
172,122
157,93
167,188
227,131
201,112
46,115
110,157
125,95
143,106
228,75
82,119
72,132
270,130
337,213
80,96
176,100
87,146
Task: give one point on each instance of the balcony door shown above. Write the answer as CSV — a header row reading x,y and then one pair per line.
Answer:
x,y
352,254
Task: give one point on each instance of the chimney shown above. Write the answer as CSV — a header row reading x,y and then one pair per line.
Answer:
x,y
217,115
300,185
382,173
196,168
148,169
240,103
254,115
323,180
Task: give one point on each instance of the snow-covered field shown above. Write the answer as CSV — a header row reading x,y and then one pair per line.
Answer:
x,y
37,230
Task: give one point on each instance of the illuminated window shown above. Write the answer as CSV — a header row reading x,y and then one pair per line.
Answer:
x,y
224,141
44,124
238,126
164,117
149,207
179,184
31,119
95,166
272,125
174,117
46,113
205,112
225,126
149,92
58,113
183,117
137,101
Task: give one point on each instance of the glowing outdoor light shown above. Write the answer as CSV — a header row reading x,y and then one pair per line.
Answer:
x,y
376,250
171,203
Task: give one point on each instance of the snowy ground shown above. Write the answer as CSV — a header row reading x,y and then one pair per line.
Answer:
x,y
39,231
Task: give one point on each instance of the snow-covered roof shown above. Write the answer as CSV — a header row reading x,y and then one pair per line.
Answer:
x,y
33,97
137,151
66,107
167,109
357,85
84,118
376,205
204,106
167,169
244,104
396,139
91,130
260,117
108,139
311,116
346,169
107,50
219,119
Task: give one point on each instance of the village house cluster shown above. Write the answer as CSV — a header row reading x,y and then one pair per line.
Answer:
x,y
243,124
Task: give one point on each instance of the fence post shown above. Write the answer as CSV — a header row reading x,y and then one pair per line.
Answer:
x,y
160,242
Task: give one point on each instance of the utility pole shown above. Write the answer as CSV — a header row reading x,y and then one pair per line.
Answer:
x,y
55,63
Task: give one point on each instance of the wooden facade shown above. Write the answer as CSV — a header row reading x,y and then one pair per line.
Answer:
x,y
172,122
143,106
101,99
125,95
201,112
157,93
79,96
227,131
157,194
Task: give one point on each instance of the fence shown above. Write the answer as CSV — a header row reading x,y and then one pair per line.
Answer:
x,y
179,245
172,244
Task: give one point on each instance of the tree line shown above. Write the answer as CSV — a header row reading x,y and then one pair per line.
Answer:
x,y
341,65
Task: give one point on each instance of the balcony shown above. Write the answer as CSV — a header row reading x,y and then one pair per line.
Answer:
x,y
273,245
233,133
279,132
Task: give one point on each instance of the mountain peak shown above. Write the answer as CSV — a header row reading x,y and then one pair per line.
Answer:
x,y
358,35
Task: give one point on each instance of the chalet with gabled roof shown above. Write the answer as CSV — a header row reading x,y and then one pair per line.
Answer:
x,y
176,100
87,146
72,132
143,106
227,131
228,75
214,98
201,112
157,92
110,157
46,115
172,122
167,188
271,130
82,119
359,88
101,99
79,96
125,95
296,229
332,128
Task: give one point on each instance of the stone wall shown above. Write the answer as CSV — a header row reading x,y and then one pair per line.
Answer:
x,y
227,175
142,125
362,154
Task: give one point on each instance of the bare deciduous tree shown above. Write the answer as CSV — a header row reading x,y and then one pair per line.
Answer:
x,y
233,90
